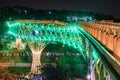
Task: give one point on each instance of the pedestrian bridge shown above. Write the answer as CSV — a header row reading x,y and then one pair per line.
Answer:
x,y
38,34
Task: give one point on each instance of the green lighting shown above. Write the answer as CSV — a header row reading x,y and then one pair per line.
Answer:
x,y
68,34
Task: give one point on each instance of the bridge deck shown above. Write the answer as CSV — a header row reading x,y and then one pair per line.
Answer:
x,y
43,21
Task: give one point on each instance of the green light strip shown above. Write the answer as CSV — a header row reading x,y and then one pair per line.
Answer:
x,y
32,32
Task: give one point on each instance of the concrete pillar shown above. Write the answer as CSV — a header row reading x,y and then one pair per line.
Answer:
x,y
35,62
103,37
110,42
92,32
18,44
89,29
106,39
95,33
99,34
114,42
36,56
117,52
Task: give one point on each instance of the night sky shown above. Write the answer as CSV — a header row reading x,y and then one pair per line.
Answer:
x,y
111,7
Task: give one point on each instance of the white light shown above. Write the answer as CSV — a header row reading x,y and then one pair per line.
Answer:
x,y
77,54
37,32
90,18
88,77
48,54
49,12
25,11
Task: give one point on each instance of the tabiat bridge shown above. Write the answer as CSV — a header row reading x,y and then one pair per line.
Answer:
x,y
97,42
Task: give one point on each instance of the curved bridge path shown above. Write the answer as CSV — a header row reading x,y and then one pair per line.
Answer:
x,y
38,34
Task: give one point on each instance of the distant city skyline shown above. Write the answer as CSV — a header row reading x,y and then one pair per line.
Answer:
x,y
110,7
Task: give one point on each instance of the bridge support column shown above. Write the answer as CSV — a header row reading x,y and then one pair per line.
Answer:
x,y
110,42
35,62
117,48
117,43
95,33
36,56
92,31
99,35
18,44
104,37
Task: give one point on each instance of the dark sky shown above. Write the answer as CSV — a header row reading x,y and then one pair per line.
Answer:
x,y
111,7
